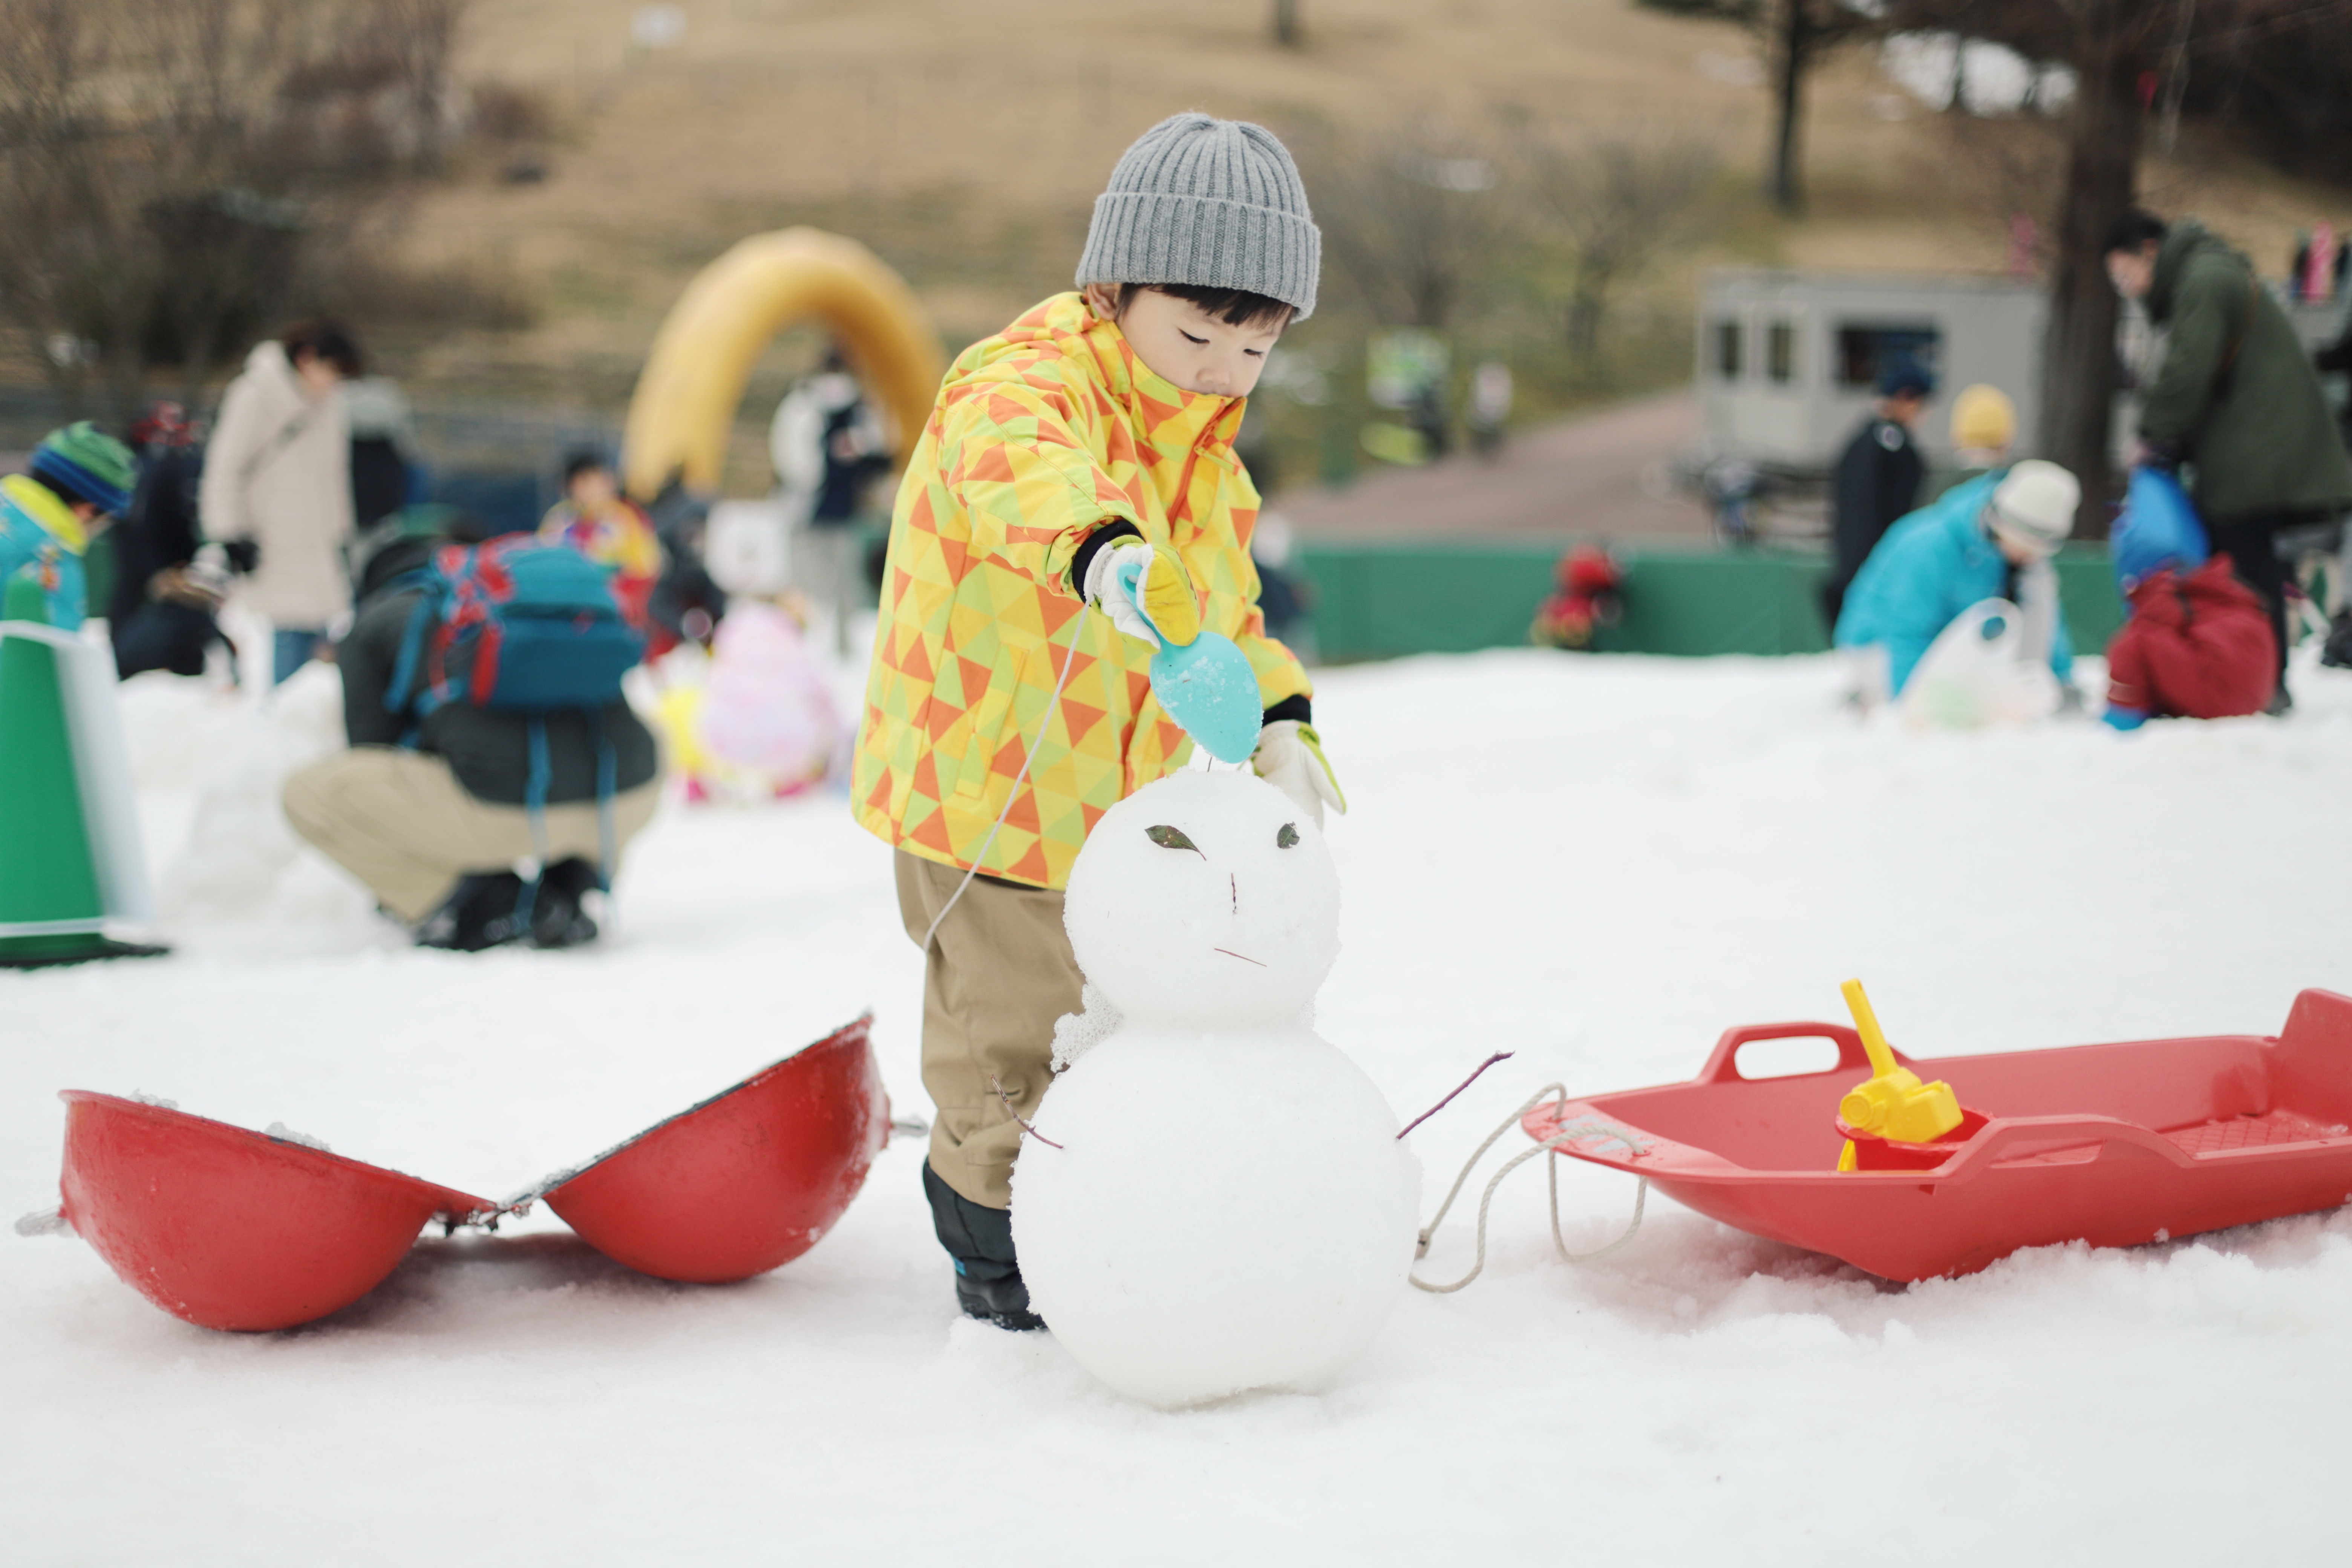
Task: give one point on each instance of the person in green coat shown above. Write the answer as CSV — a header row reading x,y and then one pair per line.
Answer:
x,y
2235,399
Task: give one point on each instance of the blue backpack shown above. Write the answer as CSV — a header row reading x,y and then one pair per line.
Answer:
x,y
521,627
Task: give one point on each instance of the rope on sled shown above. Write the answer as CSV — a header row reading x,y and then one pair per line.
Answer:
x,y
1550,1146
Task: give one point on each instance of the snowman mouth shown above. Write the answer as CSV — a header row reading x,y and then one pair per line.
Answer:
x,y
1245,958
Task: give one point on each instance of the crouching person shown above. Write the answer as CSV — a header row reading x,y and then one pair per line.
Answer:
x,y
2196,643
1989,538
444,806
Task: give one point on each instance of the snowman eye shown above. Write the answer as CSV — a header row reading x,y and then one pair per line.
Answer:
x,y
1287,837
1169,837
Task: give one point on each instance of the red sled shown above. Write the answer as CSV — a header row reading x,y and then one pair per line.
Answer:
x,y
2115,1144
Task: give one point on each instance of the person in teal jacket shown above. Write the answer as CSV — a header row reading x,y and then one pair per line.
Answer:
x,y
1989,538
81,476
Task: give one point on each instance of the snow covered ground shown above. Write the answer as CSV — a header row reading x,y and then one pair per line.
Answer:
x,y
1598,863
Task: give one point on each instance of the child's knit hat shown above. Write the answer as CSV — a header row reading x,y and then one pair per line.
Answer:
x,y
1214,204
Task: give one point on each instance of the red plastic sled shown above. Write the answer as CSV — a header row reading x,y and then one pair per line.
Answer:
x,y
2115,1144
747,1180
235,1229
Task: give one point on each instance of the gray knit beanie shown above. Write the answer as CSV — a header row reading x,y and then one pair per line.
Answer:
x,y
1216,204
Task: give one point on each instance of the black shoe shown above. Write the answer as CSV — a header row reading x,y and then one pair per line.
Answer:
x,y
2281,704
979,1239
2336,652
479,914
558,918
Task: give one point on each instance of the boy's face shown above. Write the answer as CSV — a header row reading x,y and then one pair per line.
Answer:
x,y
592,487
1180,342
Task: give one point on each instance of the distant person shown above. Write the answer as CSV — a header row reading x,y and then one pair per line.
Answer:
x,y
278,473
1490,406
1984,428
1877,480
161,613
2236,398
79,479
595,518
384,448
827,445
2337,358
2195,642
429,812
687,603
1991,538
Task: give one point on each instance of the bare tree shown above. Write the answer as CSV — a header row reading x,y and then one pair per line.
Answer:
x,y
165,165
1285,23
1411,222
1794,36
1616,201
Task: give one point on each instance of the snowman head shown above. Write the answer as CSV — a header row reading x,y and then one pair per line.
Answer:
x,y
1208,901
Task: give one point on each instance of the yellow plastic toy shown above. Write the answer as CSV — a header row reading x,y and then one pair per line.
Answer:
x,y
684,408
1891,1102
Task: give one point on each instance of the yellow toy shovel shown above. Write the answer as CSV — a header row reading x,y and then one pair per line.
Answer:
x,y
1891,1103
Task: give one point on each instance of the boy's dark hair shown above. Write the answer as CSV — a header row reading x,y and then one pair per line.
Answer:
x,y
326,340
2134,229
584,461
1234,307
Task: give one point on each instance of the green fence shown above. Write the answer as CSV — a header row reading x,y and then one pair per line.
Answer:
x,y
1387,599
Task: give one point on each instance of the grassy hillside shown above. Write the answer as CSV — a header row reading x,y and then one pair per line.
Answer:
x,y
964,142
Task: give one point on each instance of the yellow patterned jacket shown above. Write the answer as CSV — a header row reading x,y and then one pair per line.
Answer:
x,y
1042,435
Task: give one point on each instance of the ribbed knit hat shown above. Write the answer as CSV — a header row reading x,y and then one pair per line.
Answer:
x,y
82,462
1214,204
1983,419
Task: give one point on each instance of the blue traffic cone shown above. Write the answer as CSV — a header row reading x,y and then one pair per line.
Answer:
x,y
52,908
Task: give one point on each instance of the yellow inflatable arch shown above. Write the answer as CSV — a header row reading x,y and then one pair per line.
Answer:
x,y
687,395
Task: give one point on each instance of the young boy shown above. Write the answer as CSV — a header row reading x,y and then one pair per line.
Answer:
x,y
595,518
1095,431
79,477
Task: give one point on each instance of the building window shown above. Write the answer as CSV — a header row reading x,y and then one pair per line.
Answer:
x,y
1729,341
1866,351
1780,353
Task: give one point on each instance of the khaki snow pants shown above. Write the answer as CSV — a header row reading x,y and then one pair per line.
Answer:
x,y
400,821
994,979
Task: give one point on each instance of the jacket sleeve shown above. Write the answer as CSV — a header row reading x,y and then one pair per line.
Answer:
x,y
1915,611
220,497
365,659
1011,452
2208,312
2127,668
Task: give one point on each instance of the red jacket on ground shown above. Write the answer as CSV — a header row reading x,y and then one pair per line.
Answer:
x,y
2198,647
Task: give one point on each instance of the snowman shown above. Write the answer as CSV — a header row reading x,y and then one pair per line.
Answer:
x,y
1215,1198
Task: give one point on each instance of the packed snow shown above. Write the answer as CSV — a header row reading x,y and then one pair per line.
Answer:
x,y
1204,909
1598,863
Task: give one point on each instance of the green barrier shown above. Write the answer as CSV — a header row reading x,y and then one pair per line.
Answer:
x,y
1390,599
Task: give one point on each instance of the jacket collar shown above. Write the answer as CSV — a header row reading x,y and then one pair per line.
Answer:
x,y
40,503
1168,417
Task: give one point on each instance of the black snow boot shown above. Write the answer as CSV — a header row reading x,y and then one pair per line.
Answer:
x,y
2336,652
979,1239
479,914
559,917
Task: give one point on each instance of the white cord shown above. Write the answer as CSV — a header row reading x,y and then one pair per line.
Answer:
x,y
1068,662
1551,1169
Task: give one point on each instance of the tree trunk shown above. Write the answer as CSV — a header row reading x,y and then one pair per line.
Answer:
x,y
1796,47
2078,361
1285,23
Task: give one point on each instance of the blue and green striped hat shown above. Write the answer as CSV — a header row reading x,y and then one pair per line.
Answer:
x,y
82,462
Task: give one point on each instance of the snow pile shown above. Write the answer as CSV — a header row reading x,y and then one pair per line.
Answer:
x,y
240,879
1262,1244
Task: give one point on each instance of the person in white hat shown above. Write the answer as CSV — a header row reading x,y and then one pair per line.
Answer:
x,y
1991,538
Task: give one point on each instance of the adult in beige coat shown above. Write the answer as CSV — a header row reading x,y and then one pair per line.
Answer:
x,y
278,472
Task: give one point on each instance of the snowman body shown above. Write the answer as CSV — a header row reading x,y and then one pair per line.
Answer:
x,y
1230,1207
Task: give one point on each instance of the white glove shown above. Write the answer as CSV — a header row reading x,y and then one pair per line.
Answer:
x,y
1105,588
1290,757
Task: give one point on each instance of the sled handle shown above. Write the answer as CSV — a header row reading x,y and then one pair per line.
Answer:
x,y
1998,1139
1723,1067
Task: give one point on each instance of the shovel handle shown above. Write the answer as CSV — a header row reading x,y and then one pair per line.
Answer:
x,y
1723,1067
